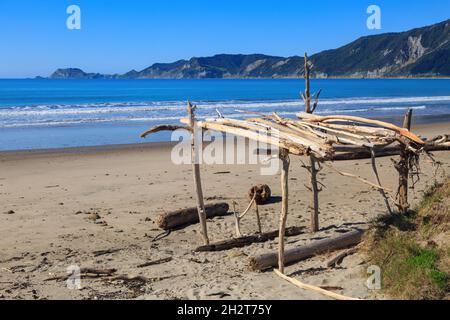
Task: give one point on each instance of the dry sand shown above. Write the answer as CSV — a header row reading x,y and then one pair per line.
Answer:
x,y
55,194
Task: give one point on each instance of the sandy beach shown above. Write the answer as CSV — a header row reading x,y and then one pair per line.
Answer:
x,y
59,207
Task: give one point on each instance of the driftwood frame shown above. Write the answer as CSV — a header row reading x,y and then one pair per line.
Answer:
x,y
351,142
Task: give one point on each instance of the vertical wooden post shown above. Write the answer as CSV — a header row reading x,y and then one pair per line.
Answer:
x,y
407,120
237,221
196,172
312,160
258,219
403,170
307,88
284,157
315,191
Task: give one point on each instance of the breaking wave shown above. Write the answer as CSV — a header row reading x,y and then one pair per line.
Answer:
x,y
73,114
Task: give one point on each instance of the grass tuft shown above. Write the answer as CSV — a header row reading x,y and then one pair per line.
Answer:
x,y
423,258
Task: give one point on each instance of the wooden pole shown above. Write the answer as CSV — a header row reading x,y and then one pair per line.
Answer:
x,y
407,120
258,219
307,88
284,156
403,170
315,191
196,172
312,161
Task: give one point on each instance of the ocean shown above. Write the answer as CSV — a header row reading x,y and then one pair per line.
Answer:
x,y
42,114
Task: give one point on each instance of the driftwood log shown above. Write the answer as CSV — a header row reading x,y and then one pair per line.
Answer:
x,y
360,154
184,217
248,240
402,131
269,260
385,152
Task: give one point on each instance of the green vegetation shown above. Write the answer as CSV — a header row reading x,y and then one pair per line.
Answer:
x,y
413,250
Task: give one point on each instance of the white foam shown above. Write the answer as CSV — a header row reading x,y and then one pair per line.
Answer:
x,y
72,114
133,107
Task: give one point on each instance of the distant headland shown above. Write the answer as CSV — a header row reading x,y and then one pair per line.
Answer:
x,y
421,52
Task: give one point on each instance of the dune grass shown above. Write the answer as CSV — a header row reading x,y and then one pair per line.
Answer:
x,y
413,250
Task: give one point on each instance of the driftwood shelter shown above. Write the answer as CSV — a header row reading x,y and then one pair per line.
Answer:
x,y
321,140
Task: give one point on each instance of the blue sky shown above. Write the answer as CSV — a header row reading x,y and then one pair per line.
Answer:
x,y
117,36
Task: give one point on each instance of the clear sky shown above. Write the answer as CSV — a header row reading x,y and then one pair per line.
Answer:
x,y
117,35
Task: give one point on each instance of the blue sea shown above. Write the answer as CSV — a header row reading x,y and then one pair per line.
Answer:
x,y
41,114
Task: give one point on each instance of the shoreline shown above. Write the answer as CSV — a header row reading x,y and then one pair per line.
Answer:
x,y
158,145
433,124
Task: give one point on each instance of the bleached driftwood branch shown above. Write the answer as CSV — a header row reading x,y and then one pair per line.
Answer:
x,y
164,127
310,287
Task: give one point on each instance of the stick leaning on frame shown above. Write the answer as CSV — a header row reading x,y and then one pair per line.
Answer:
x,y
196,172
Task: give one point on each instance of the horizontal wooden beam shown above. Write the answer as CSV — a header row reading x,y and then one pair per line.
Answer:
x,y
385,152
248,240
270,260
